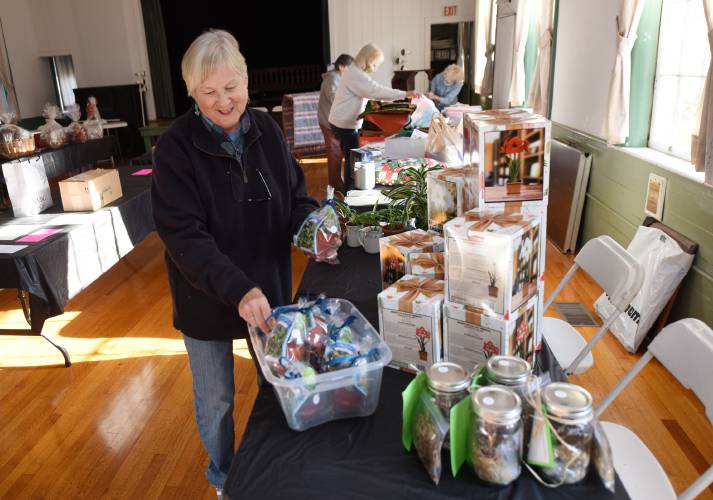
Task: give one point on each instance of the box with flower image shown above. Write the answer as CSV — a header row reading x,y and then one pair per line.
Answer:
x,y
492,260
394,250
450,192
410,321
470,338
512,153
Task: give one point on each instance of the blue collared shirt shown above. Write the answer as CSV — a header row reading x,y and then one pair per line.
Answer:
x,y
236,137
447,93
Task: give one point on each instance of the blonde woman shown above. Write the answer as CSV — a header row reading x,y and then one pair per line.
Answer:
x,y
227,197
355,87
446,86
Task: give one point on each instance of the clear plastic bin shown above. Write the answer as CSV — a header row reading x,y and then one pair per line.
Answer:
x,y
352,392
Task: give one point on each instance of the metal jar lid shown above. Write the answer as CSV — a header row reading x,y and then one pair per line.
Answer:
x,y
508,370
497,404
447,377
567,401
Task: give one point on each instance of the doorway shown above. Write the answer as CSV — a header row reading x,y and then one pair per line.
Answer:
x,y
452,43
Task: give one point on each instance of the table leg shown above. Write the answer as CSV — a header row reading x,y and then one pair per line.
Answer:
x,y
36,312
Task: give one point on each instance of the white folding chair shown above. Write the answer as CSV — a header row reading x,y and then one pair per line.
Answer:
x,y
619,274
685,348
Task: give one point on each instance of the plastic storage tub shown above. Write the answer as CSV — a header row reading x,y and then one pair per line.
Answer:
x,y
347,393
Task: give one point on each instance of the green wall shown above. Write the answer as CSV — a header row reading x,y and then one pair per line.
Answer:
x,y
615,206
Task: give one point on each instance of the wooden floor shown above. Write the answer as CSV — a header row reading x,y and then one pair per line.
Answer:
x,y
119,423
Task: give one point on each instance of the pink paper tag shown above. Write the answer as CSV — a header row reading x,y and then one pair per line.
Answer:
x,y
38,235
143,171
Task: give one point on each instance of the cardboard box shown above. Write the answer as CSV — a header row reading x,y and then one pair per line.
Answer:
x,y
410,321
426,265
470,338
511,149
492,260
404,147
394,249
451,192
90,190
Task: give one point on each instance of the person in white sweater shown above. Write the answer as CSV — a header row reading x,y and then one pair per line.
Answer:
x,y
355,88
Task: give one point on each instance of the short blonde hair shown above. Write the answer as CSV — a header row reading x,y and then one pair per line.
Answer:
x,y
369,58
211,50
453,74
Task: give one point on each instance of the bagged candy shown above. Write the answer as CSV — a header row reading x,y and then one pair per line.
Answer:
x,y
52,134
14,141
309,338
95,129
320,235
76,132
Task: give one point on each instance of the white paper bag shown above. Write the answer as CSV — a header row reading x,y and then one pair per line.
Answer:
x,y
665,265
27,186
445,142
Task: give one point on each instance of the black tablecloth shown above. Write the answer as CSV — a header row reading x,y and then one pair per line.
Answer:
x,y
364,457
42,268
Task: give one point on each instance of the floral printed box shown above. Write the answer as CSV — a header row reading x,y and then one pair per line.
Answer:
x,y
450,193
410,321
470,338
394,250
511,149
426,265
492,260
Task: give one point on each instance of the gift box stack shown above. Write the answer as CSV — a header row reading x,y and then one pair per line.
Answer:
x,y
510,149
492,214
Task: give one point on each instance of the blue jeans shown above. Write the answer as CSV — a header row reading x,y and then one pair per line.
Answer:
x,y
348,139
214,395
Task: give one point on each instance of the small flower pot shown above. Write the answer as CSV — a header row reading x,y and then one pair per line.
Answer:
x,y
423,355
513,187
353,236
391,230
493,291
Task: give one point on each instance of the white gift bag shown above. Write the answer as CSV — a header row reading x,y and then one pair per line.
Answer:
x,y
445,142
665,265
27,186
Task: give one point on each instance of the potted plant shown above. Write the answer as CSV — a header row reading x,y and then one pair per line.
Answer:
x,y
422,335
512,149
410,197
350,218
493,289
392,220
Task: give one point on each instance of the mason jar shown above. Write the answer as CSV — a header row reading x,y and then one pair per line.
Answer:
x,y
447,384
496,437
570,411
514,373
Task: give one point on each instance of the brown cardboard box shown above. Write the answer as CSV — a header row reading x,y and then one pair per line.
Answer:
x,y
90,190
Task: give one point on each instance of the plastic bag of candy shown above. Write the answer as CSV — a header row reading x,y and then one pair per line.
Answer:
x,y
320,235
310,338
52,134
76,132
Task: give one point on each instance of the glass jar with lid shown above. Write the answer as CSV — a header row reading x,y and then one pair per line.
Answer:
x,y
496,437
514,373
570,411
447,384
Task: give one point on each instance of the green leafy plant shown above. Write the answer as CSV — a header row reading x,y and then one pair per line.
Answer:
x,y
514,169
347,213
410,197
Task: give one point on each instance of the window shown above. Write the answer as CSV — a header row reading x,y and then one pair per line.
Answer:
x,y
64,80
682,65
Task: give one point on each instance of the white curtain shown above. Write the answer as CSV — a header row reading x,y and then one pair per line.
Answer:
x,y
483,48
702,144
616,121
517,94
539,91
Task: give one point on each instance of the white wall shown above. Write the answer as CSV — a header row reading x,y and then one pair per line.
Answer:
x,y
104,37
392,25
30,74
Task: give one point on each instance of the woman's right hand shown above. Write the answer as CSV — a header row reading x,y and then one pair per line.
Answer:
x,y
255,310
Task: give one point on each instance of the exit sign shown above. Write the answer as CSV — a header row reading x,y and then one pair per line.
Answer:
x,y
450,10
